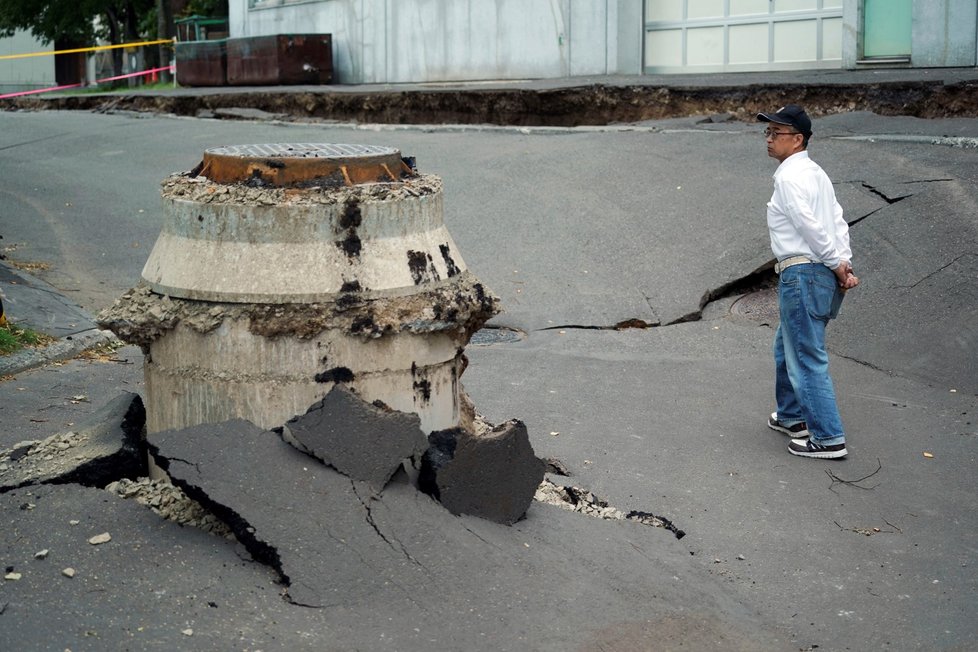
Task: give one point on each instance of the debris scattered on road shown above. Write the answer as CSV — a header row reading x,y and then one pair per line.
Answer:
x,y
170,502
854,483
99,539
104,448
583,501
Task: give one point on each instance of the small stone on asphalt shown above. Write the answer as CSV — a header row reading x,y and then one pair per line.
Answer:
x,y
105,537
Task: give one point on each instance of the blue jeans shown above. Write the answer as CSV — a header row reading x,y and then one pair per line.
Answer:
x,y
808,296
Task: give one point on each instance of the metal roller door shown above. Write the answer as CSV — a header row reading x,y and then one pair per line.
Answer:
x,y
686,36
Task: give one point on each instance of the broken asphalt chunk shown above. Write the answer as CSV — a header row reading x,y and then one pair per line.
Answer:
x,y
311,524
106,447
361,440
493,474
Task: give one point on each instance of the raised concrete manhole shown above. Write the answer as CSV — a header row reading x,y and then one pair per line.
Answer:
x,y
281,164
760,306
488,336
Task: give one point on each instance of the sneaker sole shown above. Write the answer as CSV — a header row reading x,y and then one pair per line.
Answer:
x,y
801,434
821,455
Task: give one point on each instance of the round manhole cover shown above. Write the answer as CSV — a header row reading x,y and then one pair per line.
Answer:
x,y
303,150
487,336
281,164
761,306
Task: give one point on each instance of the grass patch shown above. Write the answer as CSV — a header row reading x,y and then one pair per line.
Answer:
x,y
122,89
13,338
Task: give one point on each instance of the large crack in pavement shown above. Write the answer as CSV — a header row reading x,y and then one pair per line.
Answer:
x,y
371,521
936,271
760,279
595,104
582,501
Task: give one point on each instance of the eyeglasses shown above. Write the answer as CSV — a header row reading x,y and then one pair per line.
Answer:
x,y
770,133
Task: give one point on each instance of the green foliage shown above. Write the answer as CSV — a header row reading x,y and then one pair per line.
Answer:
x,y
72,21
209,8
48,20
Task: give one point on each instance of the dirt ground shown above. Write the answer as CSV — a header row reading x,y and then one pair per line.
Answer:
x,y
595,104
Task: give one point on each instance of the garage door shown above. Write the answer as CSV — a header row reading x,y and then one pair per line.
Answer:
x,y
742,35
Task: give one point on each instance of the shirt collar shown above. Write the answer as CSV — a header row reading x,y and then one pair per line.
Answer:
x,y
792,160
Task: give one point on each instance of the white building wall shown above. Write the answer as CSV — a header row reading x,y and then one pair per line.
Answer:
x,y
25,74
392,41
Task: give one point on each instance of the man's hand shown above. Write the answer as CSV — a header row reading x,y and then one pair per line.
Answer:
x,y
843,273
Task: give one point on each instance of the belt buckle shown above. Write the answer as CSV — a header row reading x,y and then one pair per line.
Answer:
x,y
782,265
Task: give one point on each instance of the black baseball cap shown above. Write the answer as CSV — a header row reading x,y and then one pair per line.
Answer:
x,y
791,115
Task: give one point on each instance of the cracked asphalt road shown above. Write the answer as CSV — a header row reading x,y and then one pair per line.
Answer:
x,y
592,228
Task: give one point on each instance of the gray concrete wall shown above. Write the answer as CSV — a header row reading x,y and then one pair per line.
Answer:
x,y
944,33
25,74
391,41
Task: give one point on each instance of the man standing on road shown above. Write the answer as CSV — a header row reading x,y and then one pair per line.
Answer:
x,y
811,242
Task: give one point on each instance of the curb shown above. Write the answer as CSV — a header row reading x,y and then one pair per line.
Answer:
x,y
62,349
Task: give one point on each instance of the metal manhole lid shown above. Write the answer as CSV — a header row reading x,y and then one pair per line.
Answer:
x,y
283,164
759,306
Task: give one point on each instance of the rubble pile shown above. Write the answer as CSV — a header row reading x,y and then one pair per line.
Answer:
x,y
104,448
203,190
584,502
170,502
54,449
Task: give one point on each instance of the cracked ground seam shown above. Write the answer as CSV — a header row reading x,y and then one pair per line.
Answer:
x,y
583,501
935,272
370,521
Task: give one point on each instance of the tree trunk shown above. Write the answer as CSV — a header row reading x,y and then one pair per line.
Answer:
x,y
164,29
112,22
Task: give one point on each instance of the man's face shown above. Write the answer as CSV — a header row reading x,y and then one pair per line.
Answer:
x,y
782,141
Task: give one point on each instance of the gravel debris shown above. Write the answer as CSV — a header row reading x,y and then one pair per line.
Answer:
x,y
584,502
578,500
28,452
202,190
68,572
99,539
171,503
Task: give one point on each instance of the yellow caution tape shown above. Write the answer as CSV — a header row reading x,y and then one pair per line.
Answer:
x,y
91,49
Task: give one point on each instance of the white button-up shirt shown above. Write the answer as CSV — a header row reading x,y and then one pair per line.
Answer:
x,y
803,217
